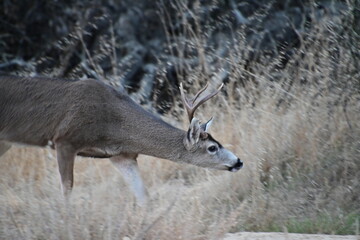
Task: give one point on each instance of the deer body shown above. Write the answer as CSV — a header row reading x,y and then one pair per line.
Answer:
x,y
89,118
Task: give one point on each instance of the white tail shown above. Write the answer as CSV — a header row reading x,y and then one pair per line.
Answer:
x,y
89,118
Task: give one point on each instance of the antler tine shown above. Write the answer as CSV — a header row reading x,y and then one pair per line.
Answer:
x,y
199,92
191,106
207,97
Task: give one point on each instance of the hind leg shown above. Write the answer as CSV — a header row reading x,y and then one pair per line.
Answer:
x,y
4,146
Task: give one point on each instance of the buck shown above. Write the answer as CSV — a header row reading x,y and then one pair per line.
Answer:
x,y
89,118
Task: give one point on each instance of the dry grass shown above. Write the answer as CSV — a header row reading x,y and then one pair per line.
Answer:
x,y
299,141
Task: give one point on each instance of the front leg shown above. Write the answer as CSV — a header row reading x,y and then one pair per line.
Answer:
x,y
4,147
127,165
66,157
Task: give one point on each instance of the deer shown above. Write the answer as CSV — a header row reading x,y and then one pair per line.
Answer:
x,y
90,118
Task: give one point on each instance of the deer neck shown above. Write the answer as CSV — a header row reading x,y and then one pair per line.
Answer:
x,y
160,140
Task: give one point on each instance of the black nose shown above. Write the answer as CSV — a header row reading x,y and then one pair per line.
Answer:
x,y
238,165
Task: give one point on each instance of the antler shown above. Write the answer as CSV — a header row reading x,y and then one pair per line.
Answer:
x,y
190,104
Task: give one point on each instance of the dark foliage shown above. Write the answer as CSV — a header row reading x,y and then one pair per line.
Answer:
x,y
135,42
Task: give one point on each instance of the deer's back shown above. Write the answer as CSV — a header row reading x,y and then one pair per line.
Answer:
x,y
35,110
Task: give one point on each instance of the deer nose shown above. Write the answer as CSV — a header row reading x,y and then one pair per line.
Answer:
x,y
238,165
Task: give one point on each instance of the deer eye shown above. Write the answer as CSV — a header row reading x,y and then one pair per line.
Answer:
x,y
212,149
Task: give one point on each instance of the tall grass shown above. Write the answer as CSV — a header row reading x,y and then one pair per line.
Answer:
x,y
296,129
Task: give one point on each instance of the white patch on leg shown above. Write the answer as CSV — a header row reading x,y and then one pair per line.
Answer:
x,y
129,170
4,146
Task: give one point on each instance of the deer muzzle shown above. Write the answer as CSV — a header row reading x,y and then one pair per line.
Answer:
x,y
238,165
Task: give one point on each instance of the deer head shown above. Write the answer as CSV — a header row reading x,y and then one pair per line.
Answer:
x,y
206,151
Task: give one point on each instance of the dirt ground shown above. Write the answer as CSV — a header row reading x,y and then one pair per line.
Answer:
x,y
286,236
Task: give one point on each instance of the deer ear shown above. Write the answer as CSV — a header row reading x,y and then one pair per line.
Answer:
x,y
193,134
205,126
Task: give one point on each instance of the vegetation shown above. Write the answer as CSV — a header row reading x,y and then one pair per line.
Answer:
x,y
327,224
295,124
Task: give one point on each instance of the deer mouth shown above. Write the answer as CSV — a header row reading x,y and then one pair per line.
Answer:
x,y
239,164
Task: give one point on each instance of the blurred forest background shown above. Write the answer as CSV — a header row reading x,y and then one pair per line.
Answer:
x,y
290,109
149,46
